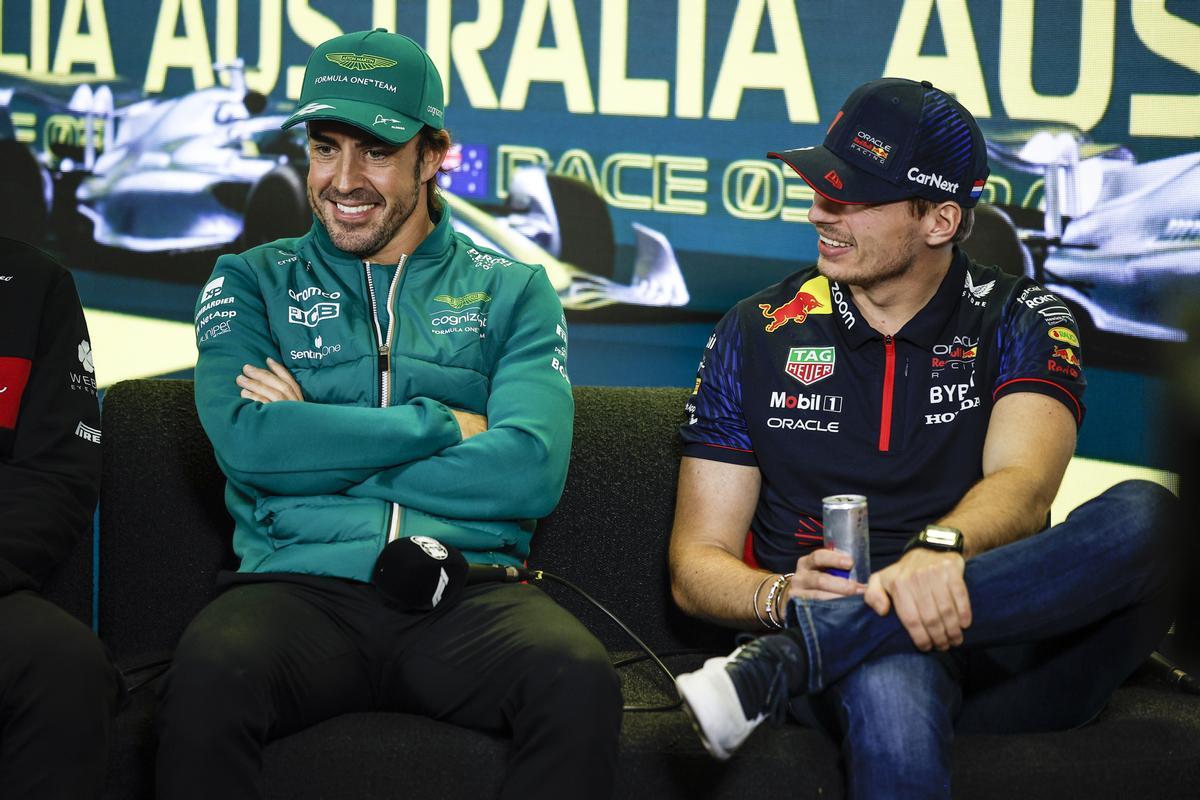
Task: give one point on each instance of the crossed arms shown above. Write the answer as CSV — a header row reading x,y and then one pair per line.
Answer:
x,y
422,454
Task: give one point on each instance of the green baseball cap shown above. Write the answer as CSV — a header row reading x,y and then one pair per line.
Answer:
x,y
381,82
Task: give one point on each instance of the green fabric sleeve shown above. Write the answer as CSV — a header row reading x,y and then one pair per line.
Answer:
x,y
517,467
288,447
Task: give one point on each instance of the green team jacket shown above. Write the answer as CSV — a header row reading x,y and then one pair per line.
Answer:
x,y
374,453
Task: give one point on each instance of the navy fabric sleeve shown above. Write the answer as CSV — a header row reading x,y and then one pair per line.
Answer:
x,y
1040,349
715,428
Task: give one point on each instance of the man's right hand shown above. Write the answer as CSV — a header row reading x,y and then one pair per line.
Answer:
x,y
813,583
469,424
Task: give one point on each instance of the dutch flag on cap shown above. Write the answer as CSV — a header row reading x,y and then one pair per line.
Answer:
x,y
977,189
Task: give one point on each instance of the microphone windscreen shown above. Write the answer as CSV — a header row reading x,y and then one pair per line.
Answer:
x,y
417,573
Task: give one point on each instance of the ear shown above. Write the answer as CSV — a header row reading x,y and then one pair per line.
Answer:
x,y
431,161
941,223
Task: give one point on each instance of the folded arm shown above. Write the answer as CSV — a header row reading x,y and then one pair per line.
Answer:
x,y
290,446
517,467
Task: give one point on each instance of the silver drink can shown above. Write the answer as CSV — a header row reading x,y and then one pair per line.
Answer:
x,y
846,530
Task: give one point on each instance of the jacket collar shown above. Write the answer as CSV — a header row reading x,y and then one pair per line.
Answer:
x,y
926,326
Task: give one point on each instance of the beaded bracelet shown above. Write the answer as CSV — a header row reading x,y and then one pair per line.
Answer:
x,y
774,592
754,602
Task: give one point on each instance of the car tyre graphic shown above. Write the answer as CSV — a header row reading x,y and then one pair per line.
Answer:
x,y
585,226
276,208
994,240
24,214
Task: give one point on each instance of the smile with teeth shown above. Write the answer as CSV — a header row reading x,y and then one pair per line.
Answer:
x,y
833,242
345,209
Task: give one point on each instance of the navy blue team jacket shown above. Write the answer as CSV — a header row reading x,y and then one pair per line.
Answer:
x,y
795,382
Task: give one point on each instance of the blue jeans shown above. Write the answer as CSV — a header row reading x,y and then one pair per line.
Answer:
x,y
1059,620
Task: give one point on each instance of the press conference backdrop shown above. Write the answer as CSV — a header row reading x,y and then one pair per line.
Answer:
x,y
622,143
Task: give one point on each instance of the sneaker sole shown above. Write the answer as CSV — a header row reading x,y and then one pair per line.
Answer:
x,y
714,751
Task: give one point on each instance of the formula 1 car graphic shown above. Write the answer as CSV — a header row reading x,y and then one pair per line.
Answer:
x,y
1118,240
209,171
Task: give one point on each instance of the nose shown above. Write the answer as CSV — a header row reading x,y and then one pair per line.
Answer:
x,y
346,174
824,211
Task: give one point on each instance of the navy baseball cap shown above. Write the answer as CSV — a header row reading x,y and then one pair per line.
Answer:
x,y
892,140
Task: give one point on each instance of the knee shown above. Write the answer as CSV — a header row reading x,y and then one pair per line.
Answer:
x,y
577,682
65,666
1142,506
207,688
1147,515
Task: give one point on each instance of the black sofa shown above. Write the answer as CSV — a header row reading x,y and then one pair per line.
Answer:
x,y
165,533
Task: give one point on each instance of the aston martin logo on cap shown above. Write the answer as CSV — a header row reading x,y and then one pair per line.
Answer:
x,y
354,61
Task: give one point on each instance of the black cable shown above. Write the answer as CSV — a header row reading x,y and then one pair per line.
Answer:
x,y
683,651
541,574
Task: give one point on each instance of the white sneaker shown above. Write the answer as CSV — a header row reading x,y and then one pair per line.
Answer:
x,y
712,703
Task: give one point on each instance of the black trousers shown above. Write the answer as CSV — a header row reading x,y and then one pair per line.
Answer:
x,y
58,695
268,658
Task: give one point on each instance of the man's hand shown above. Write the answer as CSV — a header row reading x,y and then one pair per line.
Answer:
x,y
470,424
269,385
810,581
930,597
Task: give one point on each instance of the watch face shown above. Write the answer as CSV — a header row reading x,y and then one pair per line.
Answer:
x,y
942,537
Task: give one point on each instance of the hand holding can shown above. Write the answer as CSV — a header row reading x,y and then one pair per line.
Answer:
x,y
844,517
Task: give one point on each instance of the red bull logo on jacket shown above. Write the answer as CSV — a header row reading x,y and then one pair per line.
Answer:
x,y
813,298
810,364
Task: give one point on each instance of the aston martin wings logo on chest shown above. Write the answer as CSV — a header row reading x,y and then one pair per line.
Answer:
x,y
360,63
981,291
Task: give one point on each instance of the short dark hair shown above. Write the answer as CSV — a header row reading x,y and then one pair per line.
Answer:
x,y
919,207
432,138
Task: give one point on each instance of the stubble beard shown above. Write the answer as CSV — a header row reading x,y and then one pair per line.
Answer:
x,y
365,241
895,264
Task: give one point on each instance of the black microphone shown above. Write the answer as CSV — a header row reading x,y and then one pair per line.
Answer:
x,y
500,573
419,573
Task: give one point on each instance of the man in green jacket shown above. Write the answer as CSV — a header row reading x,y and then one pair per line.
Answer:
x,y
382,377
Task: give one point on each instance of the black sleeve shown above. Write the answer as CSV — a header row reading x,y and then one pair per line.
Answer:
x,y
50,480
715,428
1041,350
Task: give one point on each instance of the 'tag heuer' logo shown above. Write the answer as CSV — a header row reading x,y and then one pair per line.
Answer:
x,y
810,364
354,61
813,298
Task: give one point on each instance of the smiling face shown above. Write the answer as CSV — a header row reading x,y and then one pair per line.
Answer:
x,y
866,245
368,194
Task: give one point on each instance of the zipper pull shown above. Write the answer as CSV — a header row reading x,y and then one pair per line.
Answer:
x,y
384,352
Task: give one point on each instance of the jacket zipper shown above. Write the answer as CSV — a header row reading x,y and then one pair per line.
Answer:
x,y
383,347
383,341
889,377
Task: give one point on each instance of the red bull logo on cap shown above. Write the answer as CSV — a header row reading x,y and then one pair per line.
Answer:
x,y
813,298
810,364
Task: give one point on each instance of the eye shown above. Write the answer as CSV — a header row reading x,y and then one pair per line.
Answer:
x,y
321,149
377,155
